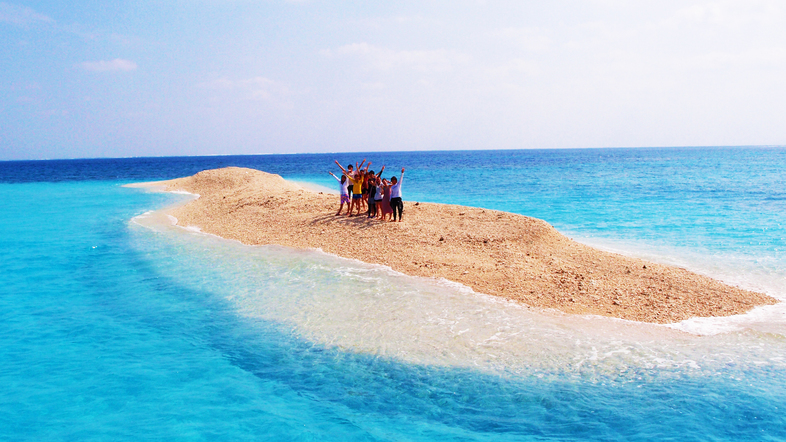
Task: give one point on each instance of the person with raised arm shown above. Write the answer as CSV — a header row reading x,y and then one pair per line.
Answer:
x,y
395,196
357,184
342,188
371,192
364,175
383,199
348,172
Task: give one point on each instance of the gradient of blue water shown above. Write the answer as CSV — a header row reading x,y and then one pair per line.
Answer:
x,y
722,198
97,342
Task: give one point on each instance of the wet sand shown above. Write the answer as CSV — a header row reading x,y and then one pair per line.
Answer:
x,y
496,253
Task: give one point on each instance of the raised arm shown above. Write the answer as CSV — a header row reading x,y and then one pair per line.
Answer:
x,y
402,176
342,169
380,172
334,176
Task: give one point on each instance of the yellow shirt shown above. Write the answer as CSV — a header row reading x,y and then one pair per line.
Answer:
x,y
357,185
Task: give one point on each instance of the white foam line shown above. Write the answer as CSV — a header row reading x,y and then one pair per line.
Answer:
x,y
183,192
766,314
702,326
503,302
706,326
145,215
459,287
447,327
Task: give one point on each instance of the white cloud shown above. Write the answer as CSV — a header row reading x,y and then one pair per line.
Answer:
x,y
385,58
118,64
374,86
709,12
766,57
21,15
517,66
254,88
729,14
259,88
529,39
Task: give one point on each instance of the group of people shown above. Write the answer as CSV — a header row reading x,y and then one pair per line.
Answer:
x,y
363,190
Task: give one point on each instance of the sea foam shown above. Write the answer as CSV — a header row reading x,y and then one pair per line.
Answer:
x,y
370,309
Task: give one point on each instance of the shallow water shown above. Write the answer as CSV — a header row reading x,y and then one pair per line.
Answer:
x,y
116,325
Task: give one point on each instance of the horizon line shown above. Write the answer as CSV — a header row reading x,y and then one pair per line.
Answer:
x,y
390,151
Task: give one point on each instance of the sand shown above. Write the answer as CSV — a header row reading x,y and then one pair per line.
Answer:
x,y
497,253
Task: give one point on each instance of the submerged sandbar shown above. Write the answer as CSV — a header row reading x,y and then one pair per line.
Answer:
x,y
498,253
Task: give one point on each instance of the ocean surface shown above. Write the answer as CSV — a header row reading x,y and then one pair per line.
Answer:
x,y
117,325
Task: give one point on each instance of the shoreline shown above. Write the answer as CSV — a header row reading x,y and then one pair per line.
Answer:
x,y
496,253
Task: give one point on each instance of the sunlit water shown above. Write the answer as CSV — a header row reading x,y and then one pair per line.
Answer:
x,y
117,325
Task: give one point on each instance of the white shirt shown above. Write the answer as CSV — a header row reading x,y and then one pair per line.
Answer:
x,y
342,186
395,190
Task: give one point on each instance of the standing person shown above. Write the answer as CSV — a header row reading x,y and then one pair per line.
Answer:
x,y
357,190
373,189
348,172
343,190
378,196
383,206
366,178
370,192
364,188
362,177
357,183
395,196
356,195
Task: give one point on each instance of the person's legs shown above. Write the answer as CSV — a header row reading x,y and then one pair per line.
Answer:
x,y
356,200
344,199
349,200
398,206
372,208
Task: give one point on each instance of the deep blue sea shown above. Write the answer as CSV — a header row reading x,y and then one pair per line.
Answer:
x,y
117,325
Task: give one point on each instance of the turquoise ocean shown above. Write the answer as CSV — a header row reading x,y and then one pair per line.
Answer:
x,y
117,325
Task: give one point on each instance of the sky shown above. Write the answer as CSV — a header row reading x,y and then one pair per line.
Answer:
x,y
124,78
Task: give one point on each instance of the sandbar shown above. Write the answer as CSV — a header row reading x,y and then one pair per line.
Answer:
x,y
498,253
